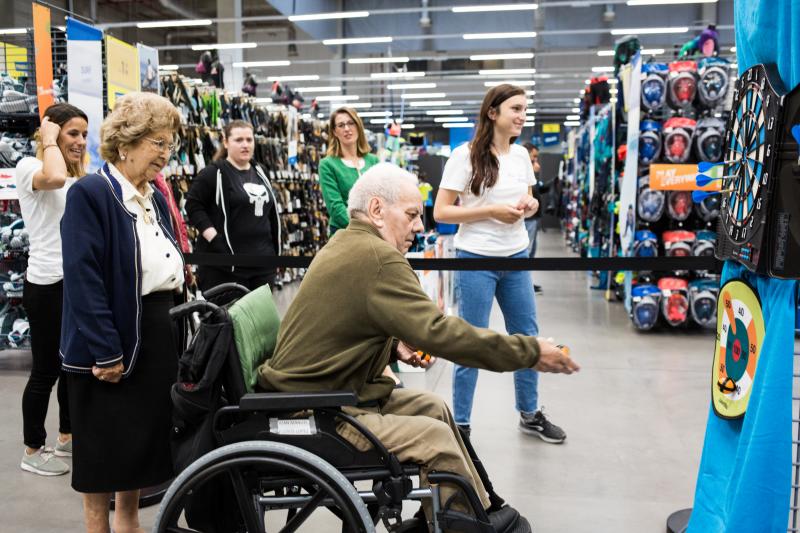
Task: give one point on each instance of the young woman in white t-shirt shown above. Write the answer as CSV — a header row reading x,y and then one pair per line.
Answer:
x,y
42,183
493,179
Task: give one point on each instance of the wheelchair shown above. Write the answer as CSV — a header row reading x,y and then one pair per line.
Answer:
x,y
271,461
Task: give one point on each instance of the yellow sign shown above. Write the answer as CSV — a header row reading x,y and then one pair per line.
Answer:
x,y
14,60
667,177
551,128
122,66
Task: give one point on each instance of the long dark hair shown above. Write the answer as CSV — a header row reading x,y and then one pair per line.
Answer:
x,y
222,153
61,114
484,162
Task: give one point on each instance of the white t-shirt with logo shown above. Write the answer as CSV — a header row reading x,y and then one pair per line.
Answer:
x,y
491,237
42,212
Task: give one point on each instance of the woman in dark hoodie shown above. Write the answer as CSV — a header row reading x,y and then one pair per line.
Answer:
x,y
232,205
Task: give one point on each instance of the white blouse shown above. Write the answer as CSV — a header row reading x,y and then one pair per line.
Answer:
x,y
162,266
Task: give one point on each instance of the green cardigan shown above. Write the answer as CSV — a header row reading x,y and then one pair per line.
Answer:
x,y
336,180
358,296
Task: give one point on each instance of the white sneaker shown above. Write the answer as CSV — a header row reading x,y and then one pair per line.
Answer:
x,y
44,463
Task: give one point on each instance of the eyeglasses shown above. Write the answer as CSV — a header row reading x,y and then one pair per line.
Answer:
x,y
345,125
163,145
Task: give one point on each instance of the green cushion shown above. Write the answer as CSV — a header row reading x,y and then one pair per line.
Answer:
x,y
255,327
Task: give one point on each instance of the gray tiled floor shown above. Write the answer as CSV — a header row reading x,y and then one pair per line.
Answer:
x,y
634,416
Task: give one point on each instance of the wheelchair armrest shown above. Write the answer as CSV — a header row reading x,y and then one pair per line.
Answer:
x,y
195,306
296,401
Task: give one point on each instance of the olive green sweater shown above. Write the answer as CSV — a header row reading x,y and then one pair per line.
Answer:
x,y
357,297
336,179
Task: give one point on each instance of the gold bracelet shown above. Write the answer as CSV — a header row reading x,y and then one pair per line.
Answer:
x,y
46,146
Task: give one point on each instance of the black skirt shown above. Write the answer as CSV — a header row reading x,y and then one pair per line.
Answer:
x,y
121,431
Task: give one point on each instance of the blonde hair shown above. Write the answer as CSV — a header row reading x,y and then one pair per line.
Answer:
x,y
334,146
135,116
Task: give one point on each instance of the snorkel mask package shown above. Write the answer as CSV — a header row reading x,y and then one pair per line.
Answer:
x,y
682,86
651,203
678,244
649,141
654,85
703,302
645,301
678,133
714,74
645,244
679,205
708,208
704,247
709,135
674,300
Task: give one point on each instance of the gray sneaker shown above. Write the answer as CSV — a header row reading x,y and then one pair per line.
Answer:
x,y
537,424
43,463
63,450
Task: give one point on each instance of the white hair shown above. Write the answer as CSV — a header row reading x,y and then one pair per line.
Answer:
x,y
385,181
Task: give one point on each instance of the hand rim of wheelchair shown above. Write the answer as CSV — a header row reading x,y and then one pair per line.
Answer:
x,y
221,460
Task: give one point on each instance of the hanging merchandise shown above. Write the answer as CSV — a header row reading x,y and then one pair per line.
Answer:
x,y
645,303
674,300
706,43
704,243
709,139
678,243
703,301
649,141
624,50
651,203
654,85
678,133
708,208
712,88
682,86
679,205
645,244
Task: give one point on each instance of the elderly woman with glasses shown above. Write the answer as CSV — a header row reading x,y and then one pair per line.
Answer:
x,y
123,271
347,159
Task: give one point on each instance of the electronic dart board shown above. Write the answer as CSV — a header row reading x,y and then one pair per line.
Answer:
x,y
759,223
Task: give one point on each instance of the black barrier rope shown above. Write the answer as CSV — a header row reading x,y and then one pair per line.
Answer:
x,y
662,264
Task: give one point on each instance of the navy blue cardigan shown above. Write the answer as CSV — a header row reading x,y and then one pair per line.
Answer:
x,y
101,322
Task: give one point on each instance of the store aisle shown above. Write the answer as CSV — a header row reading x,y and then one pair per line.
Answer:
x,y
634,417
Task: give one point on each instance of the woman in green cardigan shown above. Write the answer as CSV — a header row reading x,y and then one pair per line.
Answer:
x,y
348,157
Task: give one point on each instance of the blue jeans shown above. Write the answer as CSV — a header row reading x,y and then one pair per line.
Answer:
x,y
532,226
514,292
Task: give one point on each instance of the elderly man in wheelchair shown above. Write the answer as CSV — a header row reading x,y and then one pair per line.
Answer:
x,y
332,432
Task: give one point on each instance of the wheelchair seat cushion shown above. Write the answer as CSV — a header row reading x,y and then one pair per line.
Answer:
x,y
255,324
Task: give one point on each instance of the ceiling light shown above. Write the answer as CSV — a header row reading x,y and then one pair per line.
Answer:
x,y
578,100
408,126
330,89
375,114
403,86
652,51
573,117
173,23
337,98
605,53
531,111
506,71
13,31
451,119
493,8
223,46
408,96
320,115
306,116
392,75
365,60
602,69
613,81
248,64
357,40
523,83
431,103
458,125
445,112
649,31
576,109
529,101
667,2
490,57
572,123
734,66
587,81
529,124
168,67
380,120
328,16
502,35
359,105
530,93
299,77
613,99
733,49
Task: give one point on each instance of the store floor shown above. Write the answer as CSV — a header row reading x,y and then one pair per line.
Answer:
x,y
634,416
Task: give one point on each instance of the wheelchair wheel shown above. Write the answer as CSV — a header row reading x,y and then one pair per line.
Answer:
x,y
261,480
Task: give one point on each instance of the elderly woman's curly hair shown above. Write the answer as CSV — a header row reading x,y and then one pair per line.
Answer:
x,y
135,116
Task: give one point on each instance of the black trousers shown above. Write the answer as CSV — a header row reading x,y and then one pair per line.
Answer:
x,y
208,277
43,304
